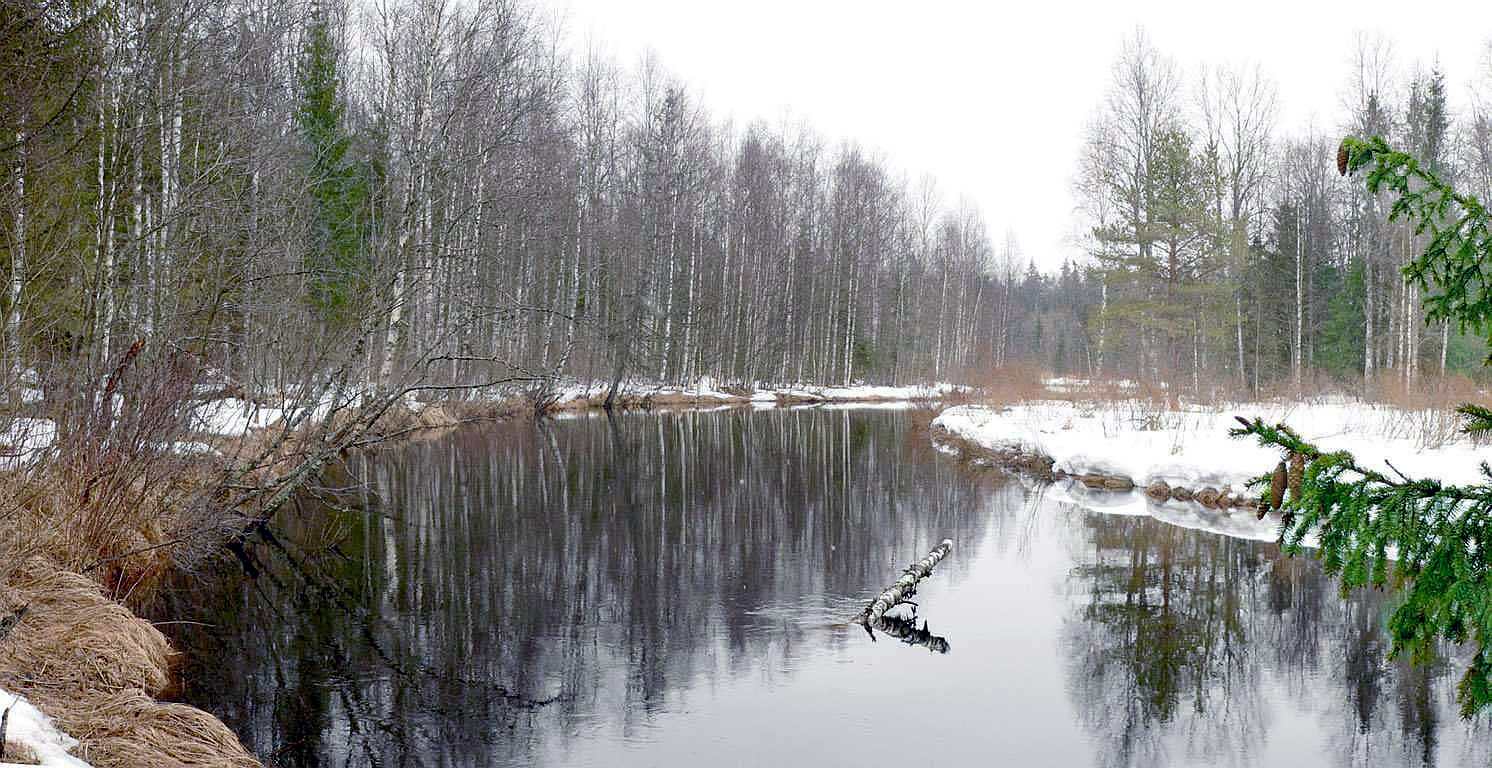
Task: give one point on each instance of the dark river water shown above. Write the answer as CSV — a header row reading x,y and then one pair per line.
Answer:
x,y
671,590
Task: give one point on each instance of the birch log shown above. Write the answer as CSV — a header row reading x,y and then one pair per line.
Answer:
x,y
904,587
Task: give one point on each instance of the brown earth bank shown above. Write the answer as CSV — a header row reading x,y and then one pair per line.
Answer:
x,y
70,642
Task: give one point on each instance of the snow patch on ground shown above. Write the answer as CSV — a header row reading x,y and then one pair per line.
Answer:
x,y
25,440
232,416
1189,445
28,727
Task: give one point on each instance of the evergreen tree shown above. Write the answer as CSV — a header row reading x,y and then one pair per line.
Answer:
x,y
1438,537
336,260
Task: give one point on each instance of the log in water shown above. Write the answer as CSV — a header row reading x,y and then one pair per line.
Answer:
x,y
903,588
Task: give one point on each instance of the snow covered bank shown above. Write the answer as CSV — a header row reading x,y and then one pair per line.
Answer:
x,y
1189,445
707,390
231,416
36,737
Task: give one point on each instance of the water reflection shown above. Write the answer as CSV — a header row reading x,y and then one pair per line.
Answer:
x,y
1190,649
604,592
512,585
905,629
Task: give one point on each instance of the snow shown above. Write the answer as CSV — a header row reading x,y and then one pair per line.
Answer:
x,y
1238,524
1189,444
24,440
28,727
1069,384
189,448
232,416
706,388
869,393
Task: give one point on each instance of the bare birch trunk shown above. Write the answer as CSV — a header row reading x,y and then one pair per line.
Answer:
x,y
1445,340
1367,366
17,264
905,587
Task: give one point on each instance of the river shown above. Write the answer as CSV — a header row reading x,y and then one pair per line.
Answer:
x,y
672,589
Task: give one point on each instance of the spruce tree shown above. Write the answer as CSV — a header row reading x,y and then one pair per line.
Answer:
x,y
338,186
1430,539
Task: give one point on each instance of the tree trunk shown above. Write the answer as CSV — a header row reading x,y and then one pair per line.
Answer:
x,y
903,588
17,265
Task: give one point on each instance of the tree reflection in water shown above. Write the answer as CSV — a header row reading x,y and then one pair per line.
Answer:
x,y
1176,635
512,595
510,585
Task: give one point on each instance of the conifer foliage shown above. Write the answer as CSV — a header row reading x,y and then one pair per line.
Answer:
x,y
1432,540
338,185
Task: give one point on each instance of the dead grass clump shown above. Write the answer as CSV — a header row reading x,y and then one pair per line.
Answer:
x,y
1424,392
72,638
128,728
118,530
1424,410
93,667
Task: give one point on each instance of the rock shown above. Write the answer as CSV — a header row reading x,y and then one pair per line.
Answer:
x,y
1159,490
1207,497
1181,493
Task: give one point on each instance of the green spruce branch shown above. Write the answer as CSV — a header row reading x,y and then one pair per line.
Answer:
x,y
1424,537
1373,528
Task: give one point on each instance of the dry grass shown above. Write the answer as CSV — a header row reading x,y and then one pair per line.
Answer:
x,y
1012,383
1425,410
19,754
129,728
94,668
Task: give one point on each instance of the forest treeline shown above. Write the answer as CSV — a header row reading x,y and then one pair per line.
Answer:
x,y
1226,249
451,193
444,190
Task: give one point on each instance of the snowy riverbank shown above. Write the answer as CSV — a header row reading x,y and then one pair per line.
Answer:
x,y
1188,446
28,440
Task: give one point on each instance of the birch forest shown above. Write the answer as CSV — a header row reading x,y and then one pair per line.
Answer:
x,y
449,192
462,193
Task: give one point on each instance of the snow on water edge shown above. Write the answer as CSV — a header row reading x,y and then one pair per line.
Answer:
x,y
1190,446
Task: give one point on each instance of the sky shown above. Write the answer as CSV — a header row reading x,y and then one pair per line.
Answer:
x,y
992,98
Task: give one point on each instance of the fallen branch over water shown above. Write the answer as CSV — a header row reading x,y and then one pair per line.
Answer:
x,y
903,588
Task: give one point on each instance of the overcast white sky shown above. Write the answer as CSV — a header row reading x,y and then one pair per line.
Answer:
x,y
991,98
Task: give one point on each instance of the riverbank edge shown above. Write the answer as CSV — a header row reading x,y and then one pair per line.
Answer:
x,y
104,675
1042,468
